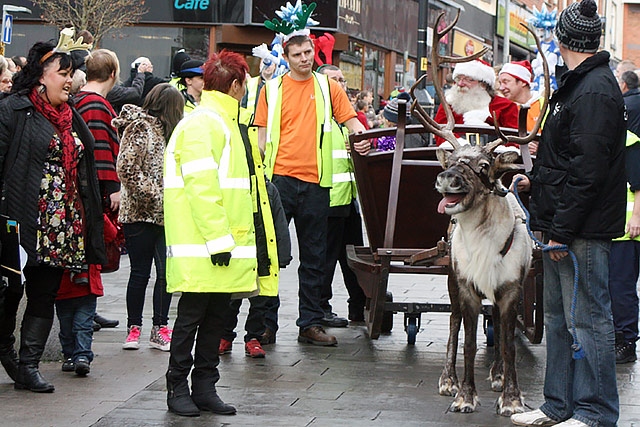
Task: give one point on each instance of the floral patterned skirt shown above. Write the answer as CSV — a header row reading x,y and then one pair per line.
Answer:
x,y
60,239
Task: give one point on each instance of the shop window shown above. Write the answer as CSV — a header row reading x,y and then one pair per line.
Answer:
x,y
158,44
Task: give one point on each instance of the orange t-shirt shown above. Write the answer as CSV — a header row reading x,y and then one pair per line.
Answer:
x,y
296,156
532,114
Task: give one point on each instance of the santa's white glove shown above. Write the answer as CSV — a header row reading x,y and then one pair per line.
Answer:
x,y
476,117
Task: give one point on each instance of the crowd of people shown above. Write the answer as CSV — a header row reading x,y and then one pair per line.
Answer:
x,y
204,171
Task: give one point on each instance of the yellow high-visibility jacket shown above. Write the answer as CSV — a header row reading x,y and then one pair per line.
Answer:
x,y
208,201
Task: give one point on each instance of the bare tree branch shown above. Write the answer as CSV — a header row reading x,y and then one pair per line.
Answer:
x,y
96,16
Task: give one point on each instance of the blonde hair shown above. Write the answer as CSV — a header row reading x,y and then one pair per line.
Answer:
x,y
101,65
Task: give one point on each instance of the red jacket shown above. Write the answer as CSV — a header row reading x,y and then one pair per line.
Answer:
x,y
506,112
68,289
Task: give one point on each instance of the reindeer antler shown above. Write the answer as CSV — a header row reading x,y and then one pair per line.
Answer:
x,y
503,139
444,131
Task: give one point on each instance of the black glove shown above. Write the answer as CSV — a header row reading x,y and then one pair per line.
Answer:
x,y
221,259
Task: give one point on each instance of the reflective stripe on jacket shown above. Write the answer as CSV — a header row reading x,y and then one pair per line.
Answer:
x,y
208,204
343,190
323,126
632,139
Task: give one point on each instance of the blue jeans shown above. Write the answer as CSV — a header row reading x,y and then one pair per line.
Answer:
x,y
624,266
308,205
76,326
146,244
583,389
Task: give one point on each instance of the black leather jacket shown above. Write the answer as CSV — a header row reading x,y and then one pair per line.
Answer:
x,y
578,179
24,142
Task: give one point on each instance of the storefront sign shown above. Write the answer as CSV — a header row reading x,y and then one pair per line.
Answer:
x,y
518,34
465,44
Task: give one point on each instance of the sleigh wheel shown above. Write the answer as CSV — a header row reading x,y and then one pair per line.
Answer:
x,y
411,326
488,330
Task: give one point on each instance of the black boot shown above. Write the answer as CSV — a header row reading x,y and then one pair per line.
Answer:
x,y
33,337
9,357
205,397
625,349
178,396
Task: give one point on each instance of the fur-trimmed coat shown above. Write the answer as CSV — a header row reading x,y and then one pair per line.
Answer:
x,y
139,166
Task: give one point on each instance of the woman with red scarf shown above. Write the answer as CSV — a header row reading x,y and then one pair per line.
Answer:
x,y
49,185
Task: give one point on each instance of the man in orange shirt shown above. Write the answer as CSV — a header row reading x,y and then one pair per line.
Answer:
x,y
515,84
294,130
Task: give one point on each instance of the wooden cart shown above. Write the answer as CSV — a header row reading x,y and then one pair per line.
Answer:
x,y
407,235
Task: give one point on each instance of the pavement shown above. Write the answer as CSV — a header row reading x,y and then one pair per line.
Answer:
x,y
361,382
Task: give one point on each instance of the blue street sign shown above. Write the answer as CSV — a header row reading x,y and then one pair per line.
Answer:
x,y
7,28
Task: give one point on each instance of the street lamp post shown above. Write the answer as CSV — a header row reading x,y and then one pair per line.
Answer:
x,y
423,23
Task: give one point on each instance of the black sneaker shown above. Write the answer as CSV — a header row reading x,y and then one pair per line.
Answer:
x,y
82,366
625,352
333,321
68,365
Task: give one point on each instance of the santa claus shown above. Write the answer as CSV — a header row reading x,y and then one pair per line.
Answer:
x,y
473,99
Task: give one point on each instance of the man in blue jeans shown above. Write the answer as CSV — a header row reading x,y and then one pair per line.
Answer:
x,y
578,199
293,117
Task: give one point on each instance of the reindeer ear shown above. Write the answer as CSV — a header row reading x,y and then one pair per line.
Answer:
x,y
503,163
443,157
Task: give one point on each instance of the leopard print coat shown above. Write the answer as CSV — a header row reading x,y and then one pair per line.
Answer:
x,y
139,166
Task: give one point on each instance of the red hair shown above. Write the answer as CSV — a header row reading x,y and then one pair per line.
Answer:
x,y
222,68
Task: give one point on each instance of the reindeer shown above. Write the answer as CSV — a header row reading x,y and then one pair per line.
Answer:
x,y
490,248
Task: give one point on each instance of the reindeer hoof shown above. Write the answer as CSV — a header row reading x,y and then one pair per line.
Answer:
x,y
447,386
497,383
465,406
513,406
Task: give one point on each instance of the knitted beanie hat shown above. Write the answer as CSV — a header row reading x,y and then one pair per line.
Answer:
x,y
390,111
520,70
579,27
477,70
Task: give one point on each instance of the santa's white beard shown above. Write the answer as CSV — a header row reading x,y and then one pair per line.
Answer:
x,y
467,99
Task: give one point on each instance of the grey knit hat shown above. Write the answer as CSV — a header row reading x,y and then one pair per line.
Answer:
x,y
390,111
579,27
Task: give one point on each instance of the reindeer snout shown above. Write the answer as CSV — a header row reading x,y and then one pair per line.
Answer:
x,y
449,181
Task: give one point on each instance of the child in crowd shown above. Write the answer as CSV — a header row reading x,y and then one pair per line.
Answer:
x,y
75,307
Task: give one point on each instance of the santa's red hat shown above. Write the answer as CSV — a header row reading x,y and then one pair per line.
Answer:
x,y
477,70
520,70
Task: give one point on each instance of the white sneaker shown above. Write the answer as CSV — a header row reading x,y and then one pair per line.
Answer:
x,y
533,418
133,338
572,422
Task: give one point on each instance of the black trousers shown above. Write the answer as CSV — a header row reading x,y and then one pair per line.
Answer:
x,y
255,323
201,314
343,230
41,286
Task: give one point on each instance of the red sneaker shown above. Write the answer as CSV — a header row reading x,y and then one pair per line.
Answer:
x,y
254,349
225,346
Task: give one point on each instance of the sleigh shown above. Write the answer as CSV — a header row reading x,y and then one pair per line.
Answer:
x,y
406,235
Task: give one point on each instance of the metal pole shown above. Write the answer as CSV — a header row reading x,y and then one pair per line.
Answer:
x,y
423,23
507,32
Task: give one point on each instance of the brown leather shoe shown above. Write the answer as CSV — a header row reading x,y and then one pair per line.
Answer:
x,y
317,336
268,337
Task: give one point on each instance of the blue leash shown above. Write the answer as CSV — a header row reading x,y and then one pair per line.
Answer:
x,y
578,351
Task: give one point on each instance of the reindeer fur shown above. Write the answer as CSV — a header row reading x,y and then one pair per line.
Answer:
x,y
484,219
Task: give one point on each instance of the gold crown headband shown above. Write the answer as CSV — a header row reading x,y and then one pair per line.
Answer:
x,y
66,44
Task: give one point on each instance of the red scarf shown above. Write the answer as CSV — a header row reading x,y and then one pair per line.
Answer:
x,y
61,118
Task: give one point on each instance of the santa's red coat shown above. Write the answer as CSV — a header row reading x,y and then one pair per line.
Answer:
x,y
506,112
